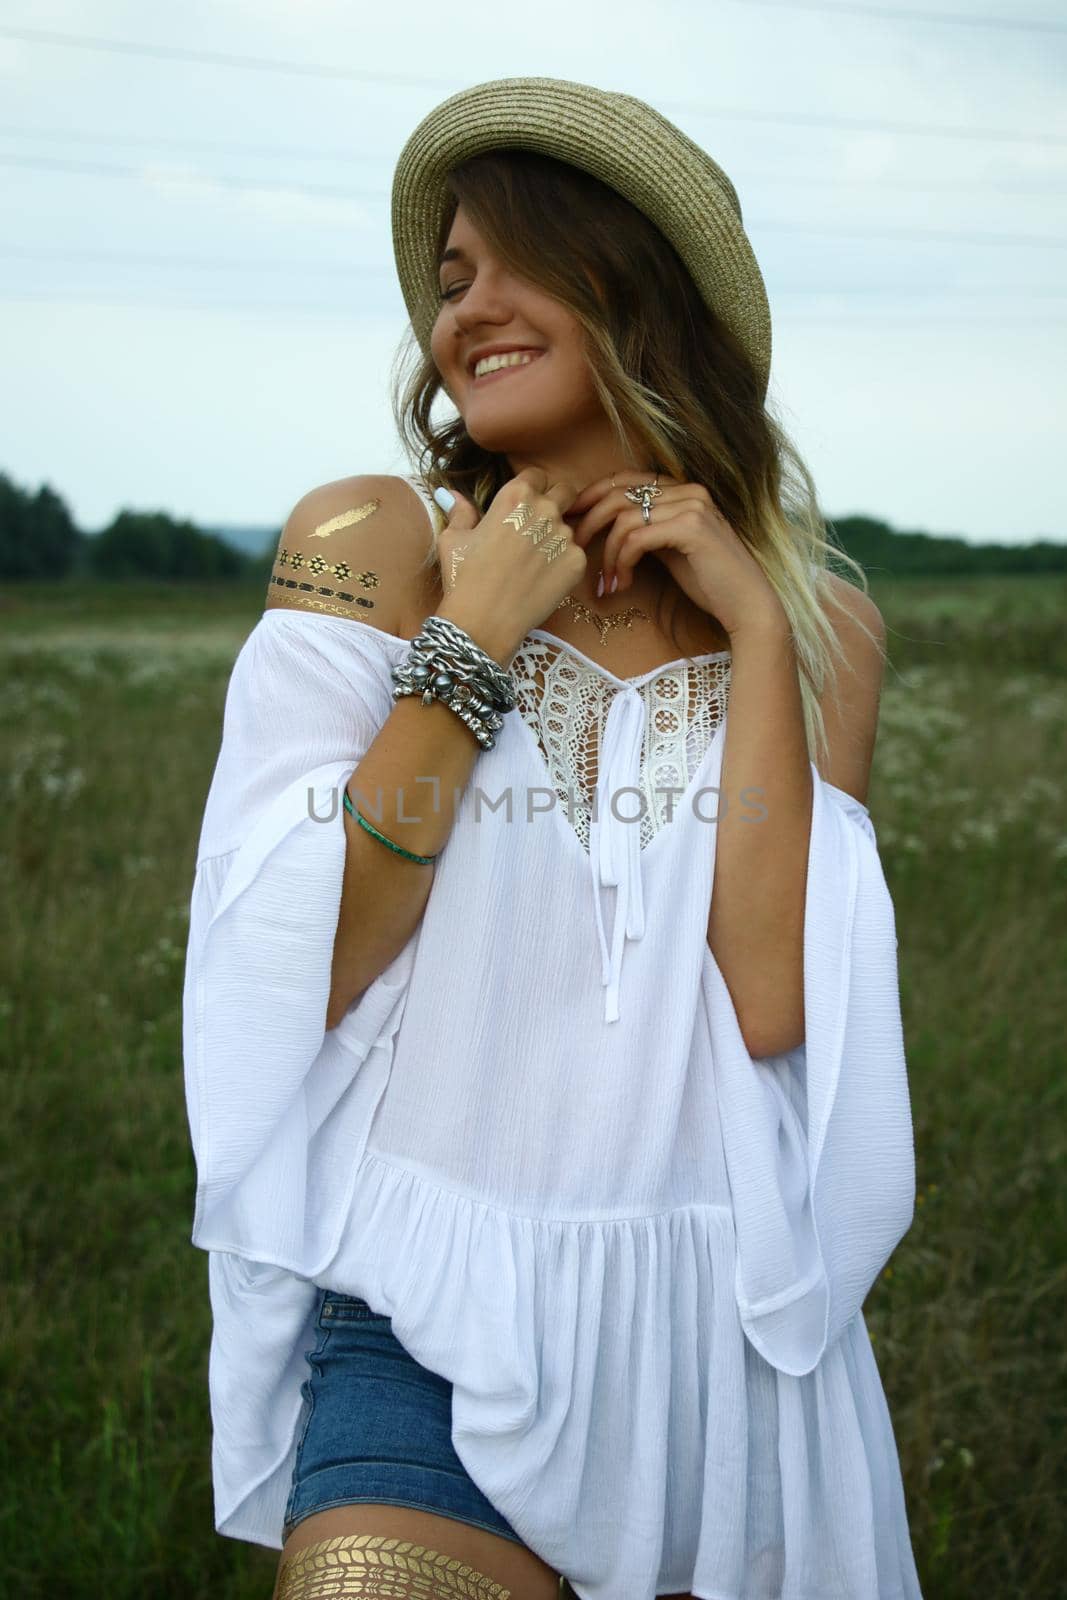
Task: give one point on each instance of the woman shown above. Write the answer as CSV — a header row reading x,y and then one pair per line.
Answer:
x,y
551,1132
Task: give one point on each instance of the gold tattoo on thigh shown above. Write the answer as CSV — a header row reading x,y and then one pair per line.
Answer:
x,y
377,1568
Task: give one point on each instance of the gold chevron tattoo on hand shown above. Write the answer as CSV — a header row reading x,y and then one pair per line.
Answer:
x,y
523,514
538,530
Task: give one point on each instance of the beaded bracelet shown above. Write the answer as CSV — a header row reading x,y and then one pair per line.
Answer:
x,y
350,808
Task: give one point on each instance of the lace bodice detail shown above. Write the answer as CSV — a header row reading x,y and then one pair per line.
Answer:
x,y
564,701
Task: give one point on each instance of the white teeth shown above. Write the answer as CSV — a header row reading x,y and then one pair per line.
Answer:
x,y
513,358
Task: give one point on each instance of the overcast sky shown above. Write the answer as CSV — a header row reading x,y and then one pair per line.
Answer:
x,y
197,292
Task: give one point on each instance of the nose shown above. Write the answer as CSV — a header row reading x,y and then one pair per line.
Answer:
x,y
484,301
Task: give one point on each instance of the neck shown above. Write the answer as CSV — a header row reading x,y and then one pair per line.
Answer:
x,y
585,458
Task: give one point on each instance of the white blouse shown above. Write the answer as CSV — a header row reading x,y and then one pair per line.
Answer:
x,y
537,1141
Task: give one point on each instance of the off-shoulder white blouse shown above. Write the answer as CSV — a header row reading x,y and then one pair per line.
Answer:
x,y
537,1141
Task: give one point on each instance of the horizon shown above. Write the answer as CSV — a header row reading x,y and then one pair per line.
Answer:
x,y
200,304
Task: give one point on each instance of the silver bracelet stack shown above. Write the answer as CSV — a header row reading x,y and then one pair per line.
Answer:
x,y
444,663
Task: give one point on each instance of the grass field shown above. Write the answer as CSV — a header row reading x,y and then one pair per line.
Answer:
x,y
111,717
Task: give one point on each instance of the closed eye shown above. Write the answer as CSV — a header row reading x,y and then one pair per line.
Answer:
x,y
446,294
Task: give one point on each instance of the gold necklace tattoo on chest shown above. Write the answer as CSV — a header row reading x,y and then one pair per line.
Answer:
x,y
605,624
342,602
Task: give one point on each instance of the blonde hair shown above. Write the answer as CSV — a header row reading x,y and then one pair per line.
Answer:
x,y
671,378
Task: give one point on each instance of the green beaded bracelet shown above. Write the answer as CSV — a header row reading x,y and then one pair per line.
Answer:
x,y
350,808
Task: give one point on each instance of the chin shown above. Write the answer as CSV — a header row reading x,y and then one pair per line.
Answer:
x,y
528,437
497,441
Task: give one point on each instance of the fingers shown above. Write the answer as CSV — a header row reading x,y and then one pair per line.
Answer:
x,y
604,511
624,478
531,480
632,537
562,494
593,492
533,484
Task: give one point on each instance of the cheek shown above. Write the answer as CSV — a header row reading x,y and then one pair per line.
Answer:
x,y
437,347
568,348
442,336
575,378
439,356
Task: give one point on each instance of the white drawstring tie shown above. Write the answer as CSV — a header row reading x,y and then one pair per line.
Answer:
x,y
614,842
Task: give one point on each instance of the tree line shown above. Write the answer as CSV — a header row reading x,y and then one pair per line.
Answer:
x,y
39,540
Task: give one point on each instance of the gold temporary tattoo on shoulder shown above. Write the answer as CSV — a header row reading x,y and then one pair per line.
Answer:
x,y
313,596
345,519
297,561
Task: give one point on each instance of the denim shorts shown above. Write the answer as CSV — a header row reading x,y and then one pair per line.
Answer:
x,y
378,1426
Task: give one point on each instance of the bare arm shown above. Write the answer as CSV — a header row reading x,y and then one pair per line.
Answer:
x,y
383,894
756,922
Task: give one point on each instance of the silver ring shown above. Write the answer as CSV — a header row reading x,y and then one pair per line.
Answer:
x,y
643,494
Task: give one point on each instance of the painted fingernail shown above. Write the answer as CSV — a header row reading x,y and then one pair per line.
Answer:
x,y
600,585
614,583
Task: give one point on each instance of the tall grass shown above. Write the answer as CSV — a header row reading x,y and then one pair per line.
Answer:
x,y
110,720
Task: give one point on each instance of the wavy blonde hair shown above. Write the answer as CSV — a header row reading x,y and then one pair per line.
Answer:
x,y
672,379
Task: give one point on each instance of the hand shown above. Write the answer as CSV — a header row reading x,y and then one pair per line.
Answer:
x,y
492,571
689,535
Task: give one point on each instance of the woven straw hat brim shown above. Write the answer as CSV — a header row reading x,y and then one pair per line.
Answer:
x,y
618,139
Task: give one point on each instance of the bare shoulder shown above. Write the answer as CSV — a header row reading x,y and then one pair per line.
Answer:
x,y
851,717
852,611
359,547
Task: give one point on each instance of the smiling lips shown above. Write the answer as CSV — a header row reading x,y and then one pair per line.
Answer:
x,y
524,358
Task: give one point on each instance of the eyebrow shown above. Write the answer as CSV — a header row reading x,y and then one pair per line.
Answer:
x,y
454,254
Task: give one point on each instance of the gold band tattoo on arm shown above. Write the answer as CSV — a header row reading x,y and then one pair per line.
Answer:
x,y
341,602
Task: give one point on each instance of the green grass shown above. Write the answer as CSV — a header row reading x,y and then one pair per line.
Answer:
x,y
110,721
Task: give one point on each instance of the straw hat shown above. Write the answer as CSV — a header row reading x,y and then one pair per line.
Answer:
x,y
618,139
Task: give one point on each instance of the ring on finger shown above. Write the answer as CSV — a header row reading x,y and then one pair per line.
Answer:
x,y
643,494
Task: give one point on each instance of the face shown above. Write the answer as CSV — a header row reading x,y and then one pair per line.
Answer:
x,y
520,410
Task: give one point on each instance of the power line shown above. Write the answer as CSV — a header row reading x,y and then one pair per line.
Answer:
x,y
309,153
104,169
1041,291
273,152
314,265
296,308
272,308
943,235
220,58
919,130
404,80
969,19
935,321
164,259
930,235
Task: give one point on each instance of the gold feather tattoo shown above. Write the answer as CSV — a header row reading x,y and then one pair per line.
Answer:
x,y
345,519
319,596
